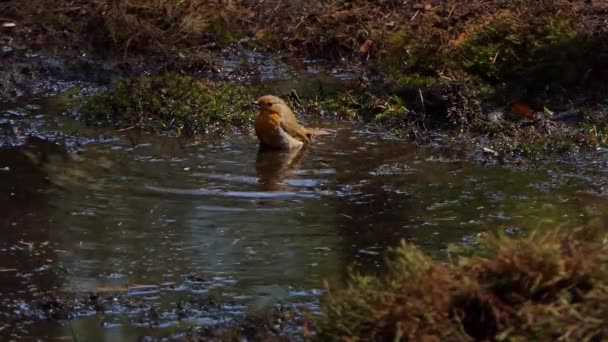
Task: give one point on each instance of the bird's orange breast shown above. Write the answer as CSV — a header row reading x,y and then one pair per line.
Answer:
x,y
267,126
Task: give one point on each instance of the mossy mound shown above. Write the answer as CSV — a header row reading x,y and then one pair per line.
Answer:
x,y
407,112
173,103
535,53
549,286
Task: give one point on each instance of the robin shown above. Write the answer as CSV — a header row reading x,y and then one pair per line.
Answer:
x,y
277,127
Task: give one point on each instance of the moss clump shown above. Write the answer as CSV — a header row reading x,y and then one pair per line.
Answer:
x,y
386,112
351,104
521,139
408,111
409,304
546,135
549,286
527,52
391,113
173,103
416,80
415,56
218,27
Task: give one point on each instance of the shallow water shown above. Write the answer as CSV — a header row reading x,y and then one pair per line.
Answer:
x,y
171,233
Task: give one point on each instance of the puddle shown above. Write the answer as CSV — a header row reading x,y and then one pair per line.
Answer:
x,y
151,236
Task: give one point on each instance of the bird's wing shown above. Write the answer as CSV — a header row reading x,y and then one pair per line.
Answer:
x,y
291,126
295,131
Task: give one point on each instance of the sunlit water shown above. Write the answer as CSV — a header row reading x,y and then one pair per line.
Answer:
x,y
172,233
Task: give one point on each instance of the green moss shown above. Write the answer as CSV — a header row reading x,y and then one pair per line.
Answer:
x,y
547,51
417,56
411,51
219,28
352,104
391,113
549,286
171,102
398,306
415,80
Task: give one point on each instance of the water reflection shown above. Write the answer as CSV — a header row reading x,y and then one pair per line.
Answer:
x,y
28,251
273,167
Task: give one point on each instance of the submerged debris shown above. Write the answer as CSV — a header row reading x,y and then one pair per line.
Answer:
x,y
276,323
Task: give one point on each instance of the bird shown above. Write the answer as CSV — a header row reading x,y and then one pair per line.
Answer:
x,y
277,127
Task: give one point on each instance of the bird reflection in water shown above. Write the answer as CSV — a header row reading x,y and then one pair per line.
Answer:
x,y
273,166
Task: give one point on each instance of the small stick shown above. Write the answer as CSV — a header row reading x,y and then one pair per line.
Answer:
x,y
495,57
126,128
451,12
422,100
423,108
415,15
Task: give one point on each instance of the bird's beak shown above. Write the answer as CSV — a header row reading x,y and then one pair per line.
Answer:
x,y
255,103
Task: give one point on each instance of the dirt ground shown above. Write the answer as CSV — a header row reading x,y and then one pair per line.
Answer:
x,y
332,29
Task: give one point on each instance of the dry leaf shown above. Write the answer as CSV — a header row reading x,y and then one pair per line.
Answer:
x,y
523,109
365,46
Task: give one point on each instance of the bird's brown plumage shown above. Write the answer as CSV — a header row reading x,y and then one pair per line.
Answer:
x,y
276,125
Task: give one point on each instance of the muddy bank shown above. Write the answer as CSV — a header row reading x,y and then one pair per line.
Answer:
x,y
521,82
178,104
329,29
417,43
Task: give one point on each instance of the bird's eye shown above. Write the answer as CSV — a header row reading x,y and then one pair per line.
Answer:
x,y
268,104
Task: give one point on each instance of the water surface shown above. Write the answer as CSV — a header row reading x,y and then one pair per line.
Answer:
x,y
171,233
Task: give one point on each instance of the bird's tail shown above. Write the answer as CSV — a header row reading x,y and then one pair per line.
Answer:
x,y
311,132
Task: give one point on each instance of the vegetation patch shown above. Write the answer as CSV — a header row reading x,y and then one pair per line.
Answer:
x,y
407,111
503,132
533,53
167,25
172,103
430,64
550,286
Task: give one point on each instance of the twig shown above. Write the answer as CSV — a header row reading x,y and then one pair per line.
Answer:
x,y
300,23
451,11
422,101
495,57
423,109
126,128
68,9
415,15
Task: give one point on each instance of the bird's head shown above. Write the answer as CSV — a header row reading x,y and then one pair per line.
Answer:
x,y
270,104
